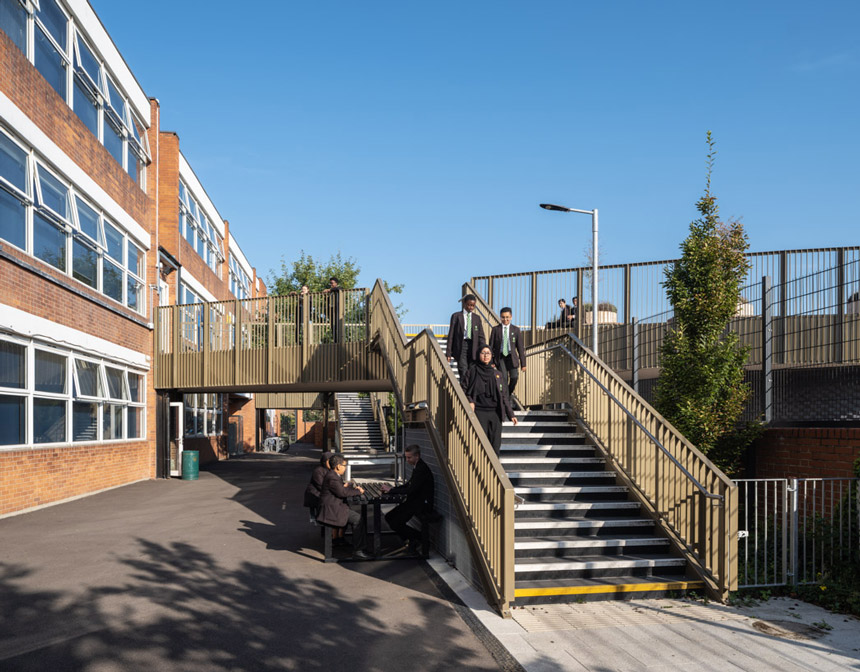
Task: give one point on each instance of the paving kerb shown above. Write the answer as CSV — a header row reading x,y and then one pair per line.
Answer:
x,y
668,634
223,573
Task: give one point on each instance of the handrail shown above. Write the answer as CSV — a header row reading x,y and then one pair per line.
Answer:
x,y
632,417
480,490
672,480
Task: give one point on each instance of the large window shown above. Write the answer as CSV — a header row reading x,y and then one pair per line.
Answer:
x,y
68,232
52,395
204,414
61,52
196,228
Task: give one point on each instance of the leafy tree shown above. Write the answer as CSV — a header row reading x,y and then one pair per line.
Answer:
x,y
315,273
701,389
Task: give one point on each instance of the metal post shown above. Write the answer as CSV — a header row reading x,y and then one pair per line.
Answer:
x,y
580,311
840,305
783,305
635,363
793,513
533,315
626,314
594,283
766,350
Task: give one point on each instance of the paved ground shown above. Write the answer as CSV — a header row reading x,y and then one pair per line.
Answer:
x,y
224,574
660,635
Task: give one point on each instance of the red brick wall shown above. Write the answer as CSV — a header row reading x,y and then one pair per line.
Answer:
x,y
809,452
33,477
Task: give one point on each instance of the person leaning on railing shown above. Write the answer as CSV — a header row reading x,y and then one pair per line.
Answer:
x,y
334,306
487,392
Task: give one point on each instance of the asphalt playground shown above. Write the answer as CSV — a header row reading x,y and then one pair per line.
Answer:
x,y
225,573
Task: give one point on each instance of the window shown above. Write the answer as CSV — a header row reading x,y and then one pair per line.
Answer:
x,y
67,398
13,21
240,283
65,230
204,414
59,48
195,227
13,192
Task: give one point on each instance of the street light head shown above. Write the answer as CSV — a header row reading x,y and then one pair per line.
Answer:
x,y
556,208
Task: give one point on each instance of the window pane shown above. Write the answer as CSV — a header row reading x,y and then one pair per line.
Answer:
x,y
85,421
113,141
13,163
55,21
13,21
89,383
89,221
55,194
135,422
50,373
114,240
131,166
112,280
86,108
135,259
133,294
89,63
49,420
13,219
182,194
85,263
134,382
50,63
116,390
112,422
115,99
13,420
49,242
13,365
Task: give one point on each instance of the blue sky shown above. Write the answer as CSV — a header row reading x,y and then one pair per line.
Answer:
x,y
419,138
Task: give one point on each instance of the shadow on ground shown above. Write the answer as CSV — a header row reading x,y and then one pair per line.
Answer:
x,y
181,610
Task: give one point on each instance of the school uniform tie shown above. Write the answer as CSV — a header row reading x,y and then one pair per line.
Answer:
x,y
506,348
468,333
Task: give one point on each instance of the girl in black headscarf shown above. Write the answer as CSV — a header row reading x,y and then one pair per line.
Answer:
x,y
488,395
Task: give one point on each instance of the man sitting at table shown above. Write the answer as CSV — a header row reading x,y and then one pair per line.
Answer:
x,y
335,512
419,499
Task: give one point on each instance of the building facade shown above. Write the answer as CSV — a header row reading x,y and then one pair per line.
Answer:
x,y
101,220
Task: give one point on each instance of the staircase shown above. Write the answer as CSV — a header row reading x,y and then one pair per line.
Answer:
x,y
358,429
579,534
443,343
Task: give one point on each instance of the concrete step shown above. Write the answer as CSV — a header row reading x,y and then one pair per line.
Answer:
x,y
581,527
619,588
567,547
597,566
573,493
578,509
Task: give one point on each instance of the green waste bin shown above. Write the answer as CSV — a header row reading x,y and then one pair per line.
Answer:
x,y
190,465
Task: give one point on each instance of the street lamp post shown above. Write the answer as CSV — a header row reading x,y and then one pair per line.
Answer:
x,y
593,213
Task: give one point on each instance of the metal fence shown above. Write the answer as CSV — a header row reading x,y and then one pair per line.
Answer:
x,y
794,531
636,291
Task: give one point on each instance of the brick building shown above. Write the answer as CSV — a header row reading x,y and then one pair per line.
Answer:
x,y
101,219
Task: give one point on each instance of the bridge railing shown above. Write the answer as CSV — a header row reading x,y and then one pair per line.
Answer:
x,y
694,502
482,493
272,340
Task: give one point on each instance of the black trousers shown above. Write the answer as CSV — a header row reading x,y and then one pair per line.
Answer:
x,y
509,372
492,425
398,518
359,530
464,361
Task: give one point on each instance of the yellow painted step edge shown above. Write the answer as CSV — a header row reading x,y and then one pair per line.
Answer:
x,y
621,588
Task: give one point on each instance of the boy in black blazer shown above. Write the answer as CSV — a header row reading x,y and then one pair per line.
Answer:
x,y
509,353
464,346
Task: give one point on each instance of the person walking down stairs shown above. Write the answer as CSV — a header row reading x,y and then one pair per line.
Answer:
x,y
465,335
487,392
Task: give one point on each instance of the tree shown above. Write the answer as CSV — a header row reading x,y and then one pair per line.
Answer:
x,y
315,274
701,390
